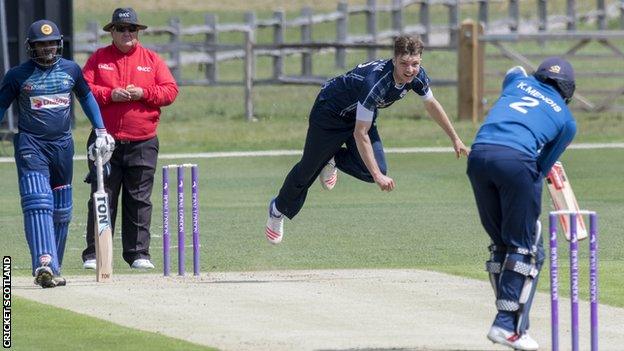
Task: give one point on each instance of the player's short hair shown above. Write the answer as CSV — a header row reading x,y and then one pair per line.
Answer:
x,y
408,45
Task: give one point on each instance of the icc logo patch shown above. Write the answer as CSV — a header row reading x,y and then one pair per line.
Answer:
x,y
46,29
555,69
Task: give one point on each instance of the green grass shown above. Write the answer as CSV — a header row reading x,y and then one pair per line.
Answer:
x,y
40,327
429,222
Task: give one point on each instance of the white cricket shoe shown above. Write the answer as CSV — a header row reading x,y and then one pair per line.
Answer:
x,y
89,264
142,263
511,339
274,230
329,175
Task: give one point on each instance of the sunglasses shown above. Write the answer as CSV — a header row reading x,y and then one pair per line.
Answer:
x,y
121,29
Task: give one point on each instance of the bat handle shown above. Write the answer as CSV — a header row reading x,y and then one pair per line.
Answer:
x,y
99,171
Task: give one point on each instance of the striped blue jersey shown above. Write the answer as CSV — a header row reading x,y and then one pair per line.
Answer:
x,y
372,85
529,116
43,96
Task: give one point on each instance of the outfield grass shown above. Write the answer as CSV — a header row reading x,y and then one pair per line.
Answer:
x,y
40,327
429,222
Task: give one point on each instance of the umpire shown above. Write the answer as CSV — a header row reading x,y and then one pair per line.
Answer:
x,y
130,84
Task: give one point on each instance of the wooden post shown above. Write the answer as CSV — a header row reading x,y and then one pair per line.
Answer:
x,y
542,13
397,16
175,51
602,15
94,27
571,13
470,72
341,34
371,26
621,14
514,15
278,38
453,8
306,37
483,11
249,74
425,20
212,38
250,65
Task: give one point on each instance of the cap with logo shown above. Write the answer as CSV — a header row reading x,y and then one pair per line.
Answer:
x,y
125,15
559,73
43,30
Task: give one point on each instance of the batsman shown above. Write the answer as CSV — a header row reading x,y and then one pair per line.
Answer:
x,y
44,147
523,135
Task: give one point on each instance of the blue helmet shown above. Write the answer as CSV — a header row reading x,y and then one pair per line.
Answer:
x,y
40,31
557,72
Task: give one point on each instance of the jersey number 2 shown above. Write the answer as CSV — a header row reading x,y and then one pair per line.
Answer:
x,y
520,105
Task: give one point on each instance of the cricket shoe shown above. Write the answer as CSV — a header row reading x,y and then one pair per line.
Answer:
x,y
59,281
142,263
44,277
89,264
274,230
329,175
511,339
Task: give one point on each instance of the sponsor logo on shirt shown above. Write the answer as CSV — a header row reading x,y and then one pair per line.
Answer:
x,y
49,101
144,68
106,67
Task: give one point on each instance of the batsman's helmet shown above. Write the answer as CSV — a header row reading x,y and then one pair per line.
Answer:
x,y
557,72
44,30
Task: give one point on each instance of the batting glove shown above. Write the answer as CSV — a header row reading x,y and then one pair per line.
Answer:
x,y
104,145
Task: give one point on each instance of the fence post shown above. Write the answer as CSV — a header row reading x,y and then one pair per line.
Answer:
x,y
341,33
371,26
425,20
94,27
602,15
212,38
175,48
397,16
453,8
514,15
278,38
306,37
571,13
542,14
470,57
483,11
621,14
250,19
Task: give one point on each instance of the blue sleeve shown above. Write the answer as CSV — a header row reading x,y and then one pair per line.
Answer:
x,y
513,73
551,151
81,88
421,83
92,110
9,89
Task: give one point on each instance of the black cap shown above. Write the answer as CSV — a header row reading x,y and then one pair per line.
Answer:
x,y
43,30
125,15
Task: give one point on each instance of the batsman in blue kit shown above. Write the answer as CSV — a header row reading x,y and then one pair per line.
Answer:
x,y
523,135
342,132
44,147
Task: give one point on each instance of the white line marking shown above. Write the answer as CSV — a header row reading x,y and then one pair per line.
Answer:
x,y
266,153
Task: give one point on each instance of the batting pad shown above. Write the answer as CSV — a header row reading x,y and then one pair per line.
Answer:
x,y
62,216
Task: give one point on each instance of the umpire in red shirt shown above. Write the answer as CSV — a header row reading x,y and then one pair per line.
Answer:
x,y
130,84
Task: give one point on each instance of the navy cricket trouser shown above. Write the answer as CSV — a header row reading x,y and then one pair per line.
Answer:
x,y
327,133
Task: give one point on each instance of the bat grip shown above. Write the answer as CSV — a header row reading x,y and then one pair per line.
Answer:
x,y
99,171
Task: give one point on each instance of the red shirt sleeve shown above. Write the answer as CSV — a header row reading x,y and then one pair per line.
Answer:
x,y
165,91
102,94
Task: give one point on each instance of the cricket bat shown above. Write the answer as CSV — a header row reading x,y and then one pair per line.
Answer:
x,y
563,199
103,230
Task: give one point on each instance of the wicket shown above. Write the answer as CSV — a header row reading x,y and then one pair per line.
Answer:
x,y
574,280
194,215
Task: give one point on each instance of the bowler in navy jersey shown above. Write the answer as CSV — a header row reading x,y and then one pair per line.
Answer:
x,y
342,132
523,135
